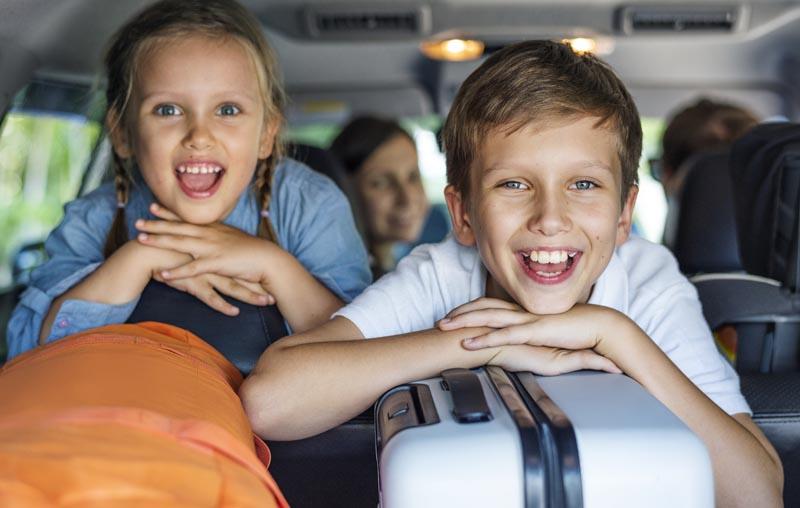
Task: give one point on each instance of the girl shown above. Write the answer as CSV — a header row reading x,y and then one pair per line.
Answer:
x,y
147,414
194,112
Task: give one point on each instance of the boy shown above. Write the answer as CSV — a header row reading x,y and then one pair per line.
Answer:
x,y
542,150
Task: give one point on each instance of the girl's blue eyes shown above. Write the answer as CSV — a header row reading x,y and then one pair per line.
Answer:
x,y
173,110
229,110
166,110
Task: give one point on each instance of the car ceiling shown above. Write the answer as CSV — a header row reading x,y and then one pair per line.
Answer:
x,y
757,59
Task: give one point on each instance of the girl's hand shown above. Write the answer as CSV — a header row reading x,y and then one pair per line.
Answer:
x,y
215,248
208,287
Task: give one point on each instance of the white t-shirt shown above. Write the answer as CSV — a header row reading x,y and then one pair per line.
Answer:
x,y
642,280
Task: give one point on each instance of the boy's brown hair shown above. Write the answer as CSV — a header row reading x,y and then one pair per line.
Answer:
x,y
537,81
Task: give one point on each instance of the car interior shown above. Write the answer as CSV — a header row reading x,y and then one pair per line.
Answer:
x,y
737,238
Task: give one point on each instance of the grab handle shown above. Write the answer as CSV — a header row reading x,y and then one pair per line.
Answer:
x,y
469,401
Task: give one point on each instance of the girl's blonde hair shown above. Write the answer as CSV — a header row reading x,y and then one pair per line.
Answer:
x,y
169,19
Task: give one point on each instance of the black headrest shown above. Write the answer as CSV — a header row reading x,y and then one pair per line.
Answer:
x,y
705,229
765,170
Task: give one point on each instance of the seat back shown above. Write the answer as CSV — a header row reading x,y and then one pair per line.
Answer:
x,y
704,235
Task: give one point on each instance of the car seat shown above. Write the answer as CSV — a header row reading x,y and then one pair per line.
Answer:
x,y
761,308
701,228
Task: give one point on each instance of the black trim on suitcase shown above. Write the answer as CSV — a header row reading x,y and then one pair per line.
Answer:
x,y
469,401
558,443
532,463
406,406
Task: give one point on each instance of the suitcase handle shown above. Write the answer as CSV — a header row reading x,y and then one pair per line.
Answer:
x,y
469,401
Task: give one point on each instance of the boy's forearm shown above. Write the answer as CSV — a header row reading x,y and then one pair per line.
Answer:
x,y
106,284
301,388
747,471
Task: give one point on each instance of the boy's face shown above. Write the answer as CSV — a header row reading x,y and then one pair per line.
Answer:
x,y
544,212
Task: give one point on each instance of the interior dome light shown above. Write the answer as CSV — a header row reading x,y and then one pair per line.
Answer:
x,y
452,50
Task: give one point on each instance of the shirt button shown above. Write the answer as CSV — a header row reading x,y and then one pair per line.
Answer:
x,y
63,323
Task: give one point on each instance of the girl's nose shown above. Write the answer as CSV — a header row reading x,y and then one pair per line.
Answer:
x,y
199,136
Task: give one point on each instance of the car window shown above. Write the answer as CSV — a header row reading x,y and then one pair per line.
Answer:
x,y
47,138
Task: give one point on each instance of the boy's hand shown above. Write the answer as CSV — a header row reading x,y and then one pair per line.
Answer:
x,y
550,361
214,248
569,339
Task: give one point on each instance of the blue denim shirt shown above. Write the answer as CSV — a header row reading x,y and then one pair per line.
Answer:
x,y
310,215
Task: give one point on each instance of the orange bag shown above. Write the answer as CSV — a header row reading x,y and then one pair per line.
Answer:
x,y
128,415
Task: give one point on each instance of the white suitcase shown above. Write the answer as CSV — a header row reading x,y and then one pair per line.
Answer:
x,y
487,438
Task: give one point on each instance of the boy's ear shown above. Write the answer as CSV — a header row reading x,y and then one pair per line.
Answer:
x,y
462,226
626,217
118,135
267,141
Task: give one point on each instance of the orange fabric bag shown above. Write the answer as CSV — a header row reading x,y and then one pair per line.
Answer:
x,y
128,415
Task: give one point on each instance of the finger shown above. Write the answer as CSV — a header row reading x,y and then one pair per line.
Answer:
x,y
191,269
256,288
204,292
480,303
163,213
169,227
196,247
566,360
493,318
527,333
230,287
213,299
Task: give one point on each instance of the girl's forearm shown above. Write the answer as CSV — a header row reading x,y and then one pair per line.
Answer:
x,y
304,301
118,280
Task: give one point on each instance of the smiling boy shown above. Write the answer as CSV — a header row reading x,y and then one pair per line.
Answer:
x,y
540,275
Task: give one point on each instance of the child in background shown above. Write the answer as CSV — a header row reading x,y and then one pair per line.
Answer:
x,y
194,114
540,275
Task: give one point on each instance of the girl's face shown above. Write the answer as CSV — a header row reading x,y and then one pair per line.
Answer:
x,y
196,126
391,189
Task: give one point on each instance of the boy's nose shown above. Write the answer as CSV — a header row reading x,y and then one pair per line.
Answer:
x,y
549,216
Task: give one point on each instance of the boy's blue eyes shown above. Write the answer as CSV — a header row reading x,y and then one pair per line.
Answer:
x,y
579,185
584,185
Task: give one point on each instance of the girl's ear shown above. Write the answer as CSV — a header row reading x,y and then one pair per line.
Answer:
x,y
118,134
267,141
459,216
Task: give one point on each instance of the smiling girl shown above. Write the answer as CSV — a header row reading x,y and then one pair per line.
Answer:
x,y
194,114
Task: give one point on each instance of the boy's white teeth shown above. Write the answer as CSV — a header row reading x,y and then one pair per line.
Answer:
x,y
197,169
549,256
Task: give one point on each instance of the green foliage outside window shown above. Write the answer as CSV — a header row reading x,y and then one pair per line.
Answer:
x,y
42,161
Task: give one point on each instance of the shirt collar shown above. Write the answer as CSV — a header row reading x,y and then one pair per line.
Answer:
x,y
611,288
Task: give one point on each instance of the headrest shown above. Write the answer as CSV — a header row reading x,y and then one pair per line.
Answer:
x,y
704,237
765,172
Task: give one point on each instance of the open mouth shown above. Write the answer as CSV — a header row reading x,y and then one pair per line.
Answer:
x,y
199,180
549,266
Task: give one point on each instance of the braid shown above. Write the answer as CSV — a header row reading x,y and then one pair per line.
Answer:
x,y
263,188
118,234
